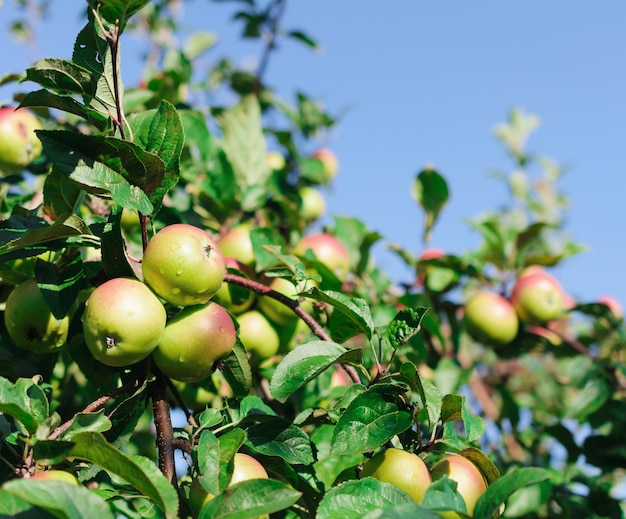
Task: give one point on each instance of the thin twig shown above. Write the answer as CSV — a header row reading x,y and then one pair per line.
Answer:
x,y
163,424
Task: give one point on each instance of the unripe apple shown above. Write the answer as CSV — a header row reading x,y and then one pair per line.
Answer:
x,y
257,335
245,467
490,318
193,341
275,160
55,475
30,322
276,311
329,160
236,299
470,482
237,244
327,249
183,265
123,322
537,297
401,468
19,145
313,205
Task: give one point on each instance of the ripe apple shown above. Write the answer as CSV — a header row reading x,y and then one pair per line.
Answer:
x,y
257,335
275,160
329,160
19,145
537,297
123,322
56,475
234,298
30,322
196,338
327,249
401,468
313,205
422,270
470,482
183,265
245,467
276,311
614,305
236,243
490,318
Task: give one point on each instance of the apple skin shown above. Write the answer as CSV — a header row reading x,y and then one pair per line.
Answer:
x,y
401,468
123,322
244,298
327,249
245,467
470,482
257,335
19,145
193,341
30,322
537,297
275,160
277,312
329,161
56,475
313,205
490,318
183,265
614,305
237,244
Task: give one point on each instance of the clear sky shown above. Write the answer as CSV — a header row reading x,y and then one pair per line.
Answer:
x,y
425,82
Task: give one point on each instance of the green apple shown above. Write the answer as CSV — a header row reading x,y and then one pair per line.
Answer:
x,y
329,160
19,145
470,482
313,205
537,297
30,322
55,475
237,244
327,249
245,467
183,265
276,311
193,341
401,468
275,160
123,322
236,299
257,335
490,318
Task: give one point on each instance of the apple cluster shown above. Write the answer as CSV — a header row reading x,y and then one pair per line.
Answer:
x,y
410,473
125,319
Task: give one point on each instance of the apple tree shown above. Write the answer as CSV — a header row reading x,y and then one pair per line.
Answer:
x,y
179,338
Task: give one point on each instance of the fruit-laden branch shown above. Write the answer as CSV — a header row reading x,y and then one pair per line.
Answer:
x,y
294,304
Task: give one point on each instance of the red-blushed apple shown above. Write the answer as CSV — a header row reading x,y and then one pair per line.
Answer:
x,y
257,335
123,322
193,341
329,160
490,318
183,265
30,322
537,297
614,305
313,205
245,467
275,160
236,299
19,145
327,249
422,270
55,475
237,244
403,469
275,310
470,482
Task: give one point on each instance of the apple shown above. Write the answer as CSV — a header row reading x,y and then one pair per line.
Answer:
x,y
30,322
327,249
245,467
614,305
129,219
490,318
193,341
123,322
183,265
19,145
234,298
276,311
237,244
537,297
257,335
313,205
470,482
401,468
329,160
422,270
56,475
275,160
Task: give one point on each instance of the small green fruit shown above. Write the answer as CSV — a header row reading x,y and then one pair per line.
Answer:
x,y
19,145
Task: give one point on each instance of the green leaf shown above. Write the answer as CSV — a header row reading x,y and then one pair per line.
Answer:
x,y
305,363
60,288
62,75
237,372
430,396
358,240
60,498
588,399
402,512
278,437
357,498
87,422
455,407
267,245
500,490
66,104
62,194
139,472
198,43
118,11
51,452
404,325
303,38
114,258
25,401
371,419
430,189
250,499
442,495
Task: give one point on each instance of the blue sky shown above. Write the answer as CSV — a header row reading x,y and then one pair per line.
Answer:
x,y
425,82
